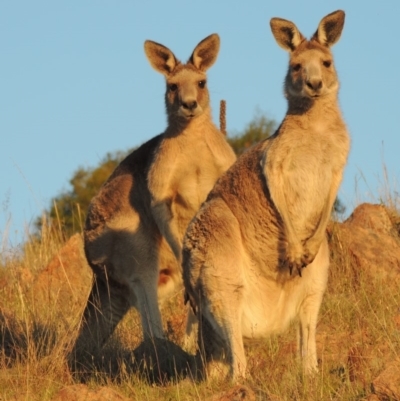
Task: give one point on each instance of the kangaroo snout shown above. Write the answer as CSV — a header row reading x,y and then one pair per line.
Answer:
x,y
189,105
315,84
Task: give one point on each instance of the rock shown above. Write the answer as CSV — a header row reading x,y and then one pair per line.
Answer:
x,y
370,239
81,392
25,276
387,385
372,217
237,393
66,281
372,397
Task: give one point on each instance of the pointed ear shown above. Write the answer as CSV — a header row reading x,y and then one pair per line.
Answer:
x,y
330,28
205,53
160,57
286,34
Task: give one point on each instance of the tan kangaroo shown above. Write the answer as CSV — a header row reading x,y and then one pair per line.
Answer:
x,y
268,213
135,224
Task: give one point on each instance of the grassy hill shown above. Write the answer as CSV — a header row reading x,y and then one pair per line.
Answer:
x,y
44,288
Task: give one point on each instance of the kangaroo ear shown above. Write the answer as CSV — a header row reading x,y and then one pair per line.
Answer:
x,y
205,53
330,28
160,57
286,33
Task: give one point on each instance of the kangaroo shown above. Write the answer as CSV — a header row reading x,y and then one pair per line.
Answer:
x,y
245,251
135,224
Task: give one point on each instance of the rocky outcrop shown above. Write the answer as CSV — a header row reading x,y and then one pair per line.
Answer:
x,y
66,281
370,238
387,385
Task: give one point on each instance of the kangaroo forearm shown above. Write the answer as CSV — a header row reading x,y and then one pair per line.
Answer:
x,y
278,196
165,221
319,232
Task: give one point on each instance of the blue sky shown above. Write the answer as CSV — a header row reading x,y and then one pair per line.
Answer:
x,y
75,84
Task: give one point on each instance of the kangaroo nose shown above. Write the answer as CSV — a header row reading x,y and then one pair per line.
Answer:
x,y
314,84
189,105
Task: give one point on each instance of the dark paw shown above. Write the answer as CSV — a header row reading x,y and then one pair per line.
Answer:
x,y
307,259
295,267
298,267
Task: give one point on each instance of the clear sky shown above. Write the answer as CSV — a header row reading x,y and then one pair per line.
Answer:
x,y
75,84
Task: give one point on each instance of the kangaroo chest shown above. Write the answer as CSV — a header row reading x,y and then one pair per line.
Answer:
x,y
193,182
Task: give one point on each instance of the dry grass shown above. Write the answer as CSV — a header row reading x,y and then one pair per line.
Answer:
x,y
358,333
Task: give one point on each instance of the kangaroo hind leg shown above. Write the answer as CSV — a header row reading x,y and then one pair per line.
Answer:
x,y
106,306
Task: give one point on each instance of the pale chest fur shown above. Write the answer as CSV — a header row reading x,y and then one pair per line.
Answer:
x,y
306,157
185,170
318,144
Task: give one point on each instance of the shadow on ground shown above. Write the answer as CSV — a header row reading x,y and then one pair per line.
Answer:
x,y
19,339
155,362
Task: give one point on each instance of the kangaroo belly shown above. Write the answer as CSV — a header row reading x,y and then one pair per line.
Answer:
x,y
269,308
270,304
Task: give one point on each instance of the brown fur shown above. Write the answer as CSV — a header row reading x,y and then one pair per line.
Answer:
x,y
264,221
135,224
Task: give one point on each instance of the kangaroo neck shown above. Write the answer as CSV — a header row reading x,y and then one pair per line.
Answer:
x,y
318,108
178,125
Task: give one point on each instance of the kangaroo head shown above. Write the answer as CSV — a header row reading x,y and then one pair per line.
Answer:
x,y
311,72
186,95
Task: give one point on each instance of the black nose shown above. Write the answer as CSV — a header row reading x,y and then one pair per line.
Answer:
x,y
314,84
189,105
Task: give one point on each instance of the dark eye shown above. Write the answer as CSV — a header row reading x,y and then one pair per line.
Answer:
x,y
202,84
296,67
173,87
327,63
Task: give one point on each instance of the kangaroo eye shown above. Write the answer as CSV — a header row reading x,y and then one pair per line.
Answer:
x,y
173,87
202,84
296,67
327,63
